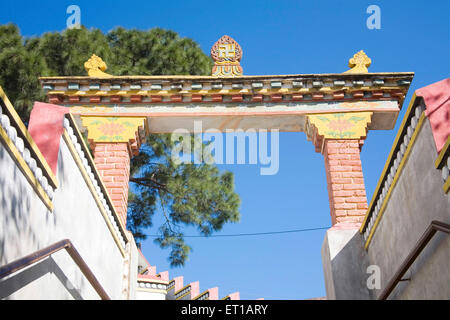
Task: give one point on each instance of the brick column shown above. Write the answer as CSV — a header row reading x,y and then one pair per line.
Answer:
x,y
346,189
112,160
114,139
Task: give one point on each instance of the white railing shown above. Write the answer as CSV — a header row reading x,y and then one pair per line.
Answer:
x,y
24,150
400,150
96,181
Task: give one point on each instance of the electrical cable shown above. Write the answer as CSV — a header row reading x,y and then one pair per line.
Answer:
x,y
248,234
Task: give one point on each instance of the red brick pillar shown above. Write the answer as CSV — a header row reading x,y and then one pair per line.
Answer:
x,y
346,189
113,163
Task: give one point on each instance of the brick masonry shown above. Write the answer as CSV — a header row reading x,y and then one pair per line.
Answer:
x,y
113,163
346,188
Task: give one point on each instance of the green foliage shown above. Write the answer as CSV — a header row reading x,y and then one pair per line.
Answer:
x,y
186,194
155,52
19,71
126,52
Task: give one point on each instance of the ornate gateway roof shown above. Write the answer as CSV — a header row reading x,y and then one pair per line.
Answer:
x,y
229,100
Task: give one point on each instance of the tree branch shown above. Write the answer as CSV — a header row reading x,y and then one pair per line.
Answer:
x,y
157,184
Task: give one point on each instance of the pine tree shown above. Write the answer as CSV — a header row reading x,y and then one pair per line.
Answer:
x,y
188,194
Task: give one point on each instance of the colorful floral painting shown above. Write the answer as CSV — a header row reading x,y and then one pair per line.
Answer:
x,y
351,125
112,129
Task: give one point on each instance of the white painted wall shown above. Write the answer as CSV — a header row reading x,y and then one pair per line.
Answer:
x,y
148,295
26,225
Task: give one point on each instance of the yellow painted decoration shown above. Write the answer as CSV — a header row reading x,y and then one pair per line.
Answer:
x,y
95,67
359,63
227,54
443,155
349,125
227,70
86,109
112,129
446,186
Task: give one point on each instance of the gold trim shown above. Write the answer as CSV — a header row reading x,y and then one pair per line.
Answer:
x,y
396,177
201,294
34,148
441,157
169,287
26,170
388,161
143,271
181,288
91,187
185,287
184,295
446,185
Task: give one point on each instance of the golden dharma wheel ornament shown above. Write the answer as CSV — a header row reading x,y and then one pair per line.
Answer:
x,y
227,54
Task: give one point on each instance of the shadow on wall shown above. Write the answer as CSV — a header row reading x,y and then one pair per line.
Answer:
x,y
345,274
17,201
33,273
415,279
15,204
22,216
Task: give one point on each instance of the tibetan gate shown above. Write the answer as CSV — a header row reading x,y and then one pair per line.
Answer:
x,y
334,110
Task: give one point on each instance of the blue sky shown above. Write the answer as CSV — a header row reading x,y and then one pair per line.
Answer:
x,y
277,37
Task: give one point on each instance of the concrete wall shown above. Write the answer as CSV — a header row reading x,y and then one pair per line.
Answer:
x,y
416,200
26,225
344,263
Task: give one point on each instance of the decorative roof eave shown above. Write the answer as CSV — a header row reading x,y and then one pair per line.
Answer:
x,y
405,75
348,87
227,84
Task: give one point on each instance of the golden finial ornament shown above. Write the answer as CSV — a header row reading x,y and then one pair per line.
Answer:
x,y
359,63
95,67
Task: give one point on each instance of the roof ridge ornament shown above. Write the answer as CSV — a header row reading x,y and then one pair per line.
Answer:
x,y
95,67
227,54
359,63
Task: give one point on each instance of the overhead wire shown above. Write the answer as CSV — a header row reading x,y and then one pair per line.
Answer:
x,y
248,234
